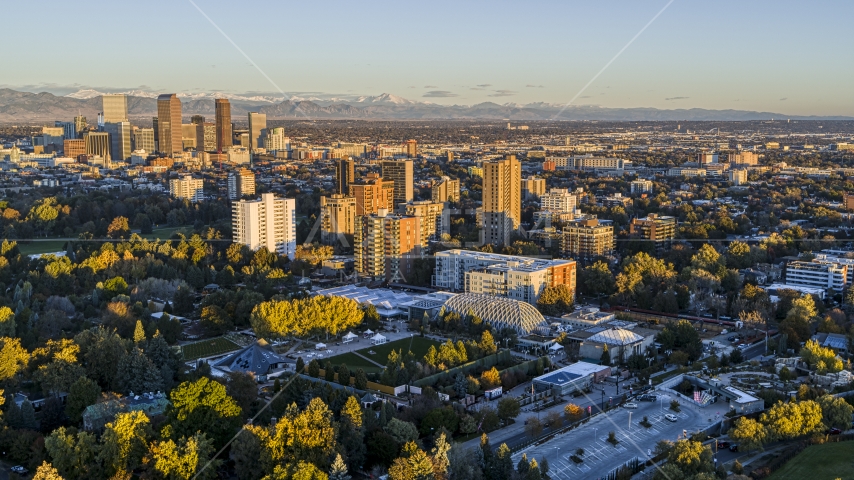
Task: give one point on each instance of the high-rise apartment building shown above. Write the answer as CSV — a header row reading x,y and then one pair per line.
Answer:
x,y
189,136
257,124
97,143
143,139
115,108
74,147
446,190
705,158
585,240
337,219
372,193
240,184
738,176
223,125
520,278
169,125
267,222
79,125
533,188
120,139
386,246
345,174
502,200
399,172
558,200
656,228
433,221
205,137
274,139
744,158
187,187
411,148
641,186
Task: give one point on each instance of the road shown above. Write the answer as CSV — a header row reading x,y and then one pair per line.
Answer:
x,y
601,457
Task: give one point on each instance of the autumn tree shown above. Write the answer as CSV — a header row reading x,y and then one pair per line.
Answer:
x,y
203,405
556,300
125,442
749,433
187,459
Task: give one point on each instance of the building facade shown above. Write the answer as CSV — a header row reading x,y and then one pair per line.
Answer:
x,y
115,108
257,125
386,246
187,187
826,275
641,186
558,200
337,219
533,188
169,125
97,143
372,194
502,200
345,174
120,139
446,190
143,139
433,223
656,228
586,240
240,184
399,172
266,222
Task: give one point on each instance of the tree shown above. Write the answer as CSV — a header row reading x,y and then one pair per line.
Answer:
x,y
329,372
749,433
605,358
298,471
185,459
203,405
314,368
352,433
338,470
361,380
242,387
7,322
119,228
508,409
413,464
249,452
793,419
72,455
556,300
46,472
572,411
343,375
596,280
691,458
814,355
125,442
83,392
216,320
401,431
137,373
101,351
139,333
13,358
836,412
487,343
308,435
490,378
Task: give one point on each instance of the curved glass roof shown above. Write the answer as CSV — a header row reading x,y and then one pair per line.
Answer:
x,y
499,312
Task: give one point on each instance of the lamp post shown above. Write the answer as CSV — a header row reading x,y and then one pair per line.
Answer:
x,y
630,420
595,431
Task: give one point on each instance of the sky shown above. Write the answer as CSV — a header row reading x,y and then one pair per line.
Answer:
x,y
784,56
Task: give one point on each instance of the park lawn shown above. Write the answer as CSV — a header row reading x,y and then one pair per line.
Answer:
x,y
165,233
41,246
420,345
352,361
827,461
208,348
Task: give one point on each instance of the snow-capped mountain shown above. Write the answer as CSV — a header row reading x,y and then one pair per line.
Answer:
x,y
88,93
384,99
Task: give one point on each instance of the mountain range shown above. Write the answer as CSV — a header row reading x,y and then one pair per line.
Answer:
x,y
17,106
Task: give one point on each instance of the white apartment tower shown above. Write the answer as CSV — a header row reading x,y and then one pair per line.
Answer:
x,y
267,222
187,187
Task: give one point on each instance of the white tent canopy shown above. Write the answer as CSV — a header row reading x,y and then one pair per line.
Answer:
x,y
378,339
555,347
350,336
320,346
368,332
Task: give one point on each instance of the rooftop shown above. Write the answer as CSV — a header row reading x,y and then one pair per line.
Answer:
x,y
499,312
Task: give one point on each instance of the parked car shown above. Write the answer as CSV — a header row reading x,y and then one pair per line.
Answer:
x,y
647,398
631,405
671,417
742,346
19,470
834,431
733,448
723,444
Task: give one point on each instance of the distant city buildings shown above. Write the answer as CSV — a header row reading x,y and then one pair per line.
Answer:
x,y
655,228
240,184
115,108
257,125
372,194
533,188
169,125
120,139
446,190
267,222
188,188
738,176
641,186
586,240
345,174
337,219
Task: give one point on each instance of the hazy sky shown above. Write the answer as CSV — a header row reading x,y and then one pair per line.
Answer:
x,y
772,55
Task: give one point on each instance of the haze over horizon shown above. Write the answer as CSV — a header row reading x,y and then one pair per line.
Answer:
x,y
762,56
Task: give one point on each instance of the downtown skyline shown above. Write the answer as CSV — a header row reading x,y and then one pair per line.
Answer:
x,y
766,57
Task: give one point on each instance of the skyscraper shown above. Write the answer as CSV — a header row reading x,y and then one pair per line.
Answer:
x,y
115,108
372,194
386,246
120,139
143,139
169,124
68,130
502,201
205,137
257,123
345,174
274,139
400,172
411,148
241,183
223,124
337,219
268,222
97,143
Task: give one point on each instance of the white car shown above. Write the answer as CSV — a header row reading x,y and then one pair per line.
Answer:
x,y
671,417
631,405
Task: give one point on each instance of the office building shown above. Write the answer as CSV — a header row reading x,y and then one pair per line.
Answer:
x,y
587,239
197,119
558,200
238,155
337,219
826,275
143,139
502,201
510,276
744,158
533,187
641,186
74,147
372,193
275,139
97,143
705,158
223,125
169,125
656,228
187,187
267,222
411,148
588,162
68,130
189,136
345,174
240,184
257,125
115,108
738,176
79,125
386,246
205,137
433,221
399,172
51,139
446,190
686,172
120,139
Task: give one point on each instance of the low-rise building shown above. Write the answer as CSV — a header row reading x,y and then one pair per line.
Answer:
x,y
577,377
825,275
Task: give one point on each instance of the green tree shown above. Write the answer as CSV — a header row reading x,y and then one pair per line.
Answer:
x,y
343,375
185,459
216,320
242,387
7,322
361,380
314,368
401,431
605,358
556,300
119,228
793,419
329,371
487,343
508,409
137,373
101,351
749,433
692,458
203,405
815,355
596,280
250,454
125,442
414,464
72,455
338,470
83,392
836,412
46,472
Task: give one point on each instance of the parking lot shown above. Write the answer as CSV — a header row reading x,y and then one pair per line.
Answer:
x,y
601,457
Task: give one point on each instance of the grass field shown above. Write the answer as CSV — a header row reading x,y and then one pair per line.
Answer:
x,y
42,246
420,345
820,462
166,232
352,361
207,348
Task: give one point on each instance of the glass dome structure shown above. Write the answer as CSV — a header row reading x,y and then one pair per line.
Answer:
x,y
499,312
